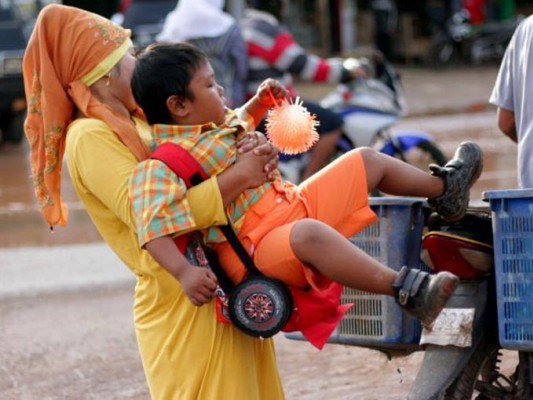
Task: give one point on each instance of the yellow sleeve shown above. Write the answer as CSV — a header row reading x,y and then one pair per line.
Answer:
x,y
206,203
101,167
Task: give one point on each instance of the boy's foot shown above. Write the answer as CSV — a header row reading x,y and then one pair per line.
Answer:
x,y
423,295
459,174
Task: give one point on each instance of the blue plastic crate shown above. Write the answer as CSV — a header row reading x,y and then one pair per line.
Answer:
x,y
394,240
512,221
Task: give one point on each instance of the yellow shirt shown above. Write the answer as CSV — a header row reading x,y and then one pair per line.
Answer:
x,y
186,353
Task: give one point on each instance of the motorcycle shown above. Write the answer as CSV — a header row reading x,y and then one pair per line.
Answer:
x,y
370,108
492,255
460,41
490,249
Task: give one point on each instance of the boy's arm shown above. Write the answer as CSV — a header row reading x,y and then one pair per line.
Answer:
x,y
269,94
256,109
199,283
256,164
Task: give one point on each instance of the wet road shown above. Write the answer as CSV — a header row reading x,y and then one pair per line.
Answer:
x,y
20,222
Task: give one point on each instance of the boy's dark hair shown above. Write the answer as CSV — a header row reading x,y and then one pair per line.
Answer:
x,y
163,70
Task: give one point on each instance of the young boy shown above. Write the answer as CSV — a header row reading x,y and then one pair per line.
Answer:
x,y
294,233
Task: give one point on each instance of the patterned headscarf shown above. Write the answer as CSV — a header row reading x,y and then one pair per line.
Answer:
x,y
68,51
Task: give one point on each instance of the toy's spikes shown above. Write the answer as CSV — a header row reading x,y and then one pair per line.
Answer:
x,y
291,128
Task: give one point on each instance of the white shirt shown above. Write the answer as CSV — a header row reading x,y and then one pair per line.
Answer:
x,y
513,91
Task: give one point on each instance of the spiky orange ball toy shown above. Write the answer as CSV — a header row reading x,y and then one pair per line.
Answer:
x,y
291,128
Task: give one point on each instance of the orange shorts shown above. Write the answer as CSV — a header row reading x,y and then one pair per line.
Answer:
x,y
337,196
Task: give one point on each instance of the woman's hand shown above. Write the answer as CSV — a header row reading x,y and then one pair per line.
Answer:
x,y
257,144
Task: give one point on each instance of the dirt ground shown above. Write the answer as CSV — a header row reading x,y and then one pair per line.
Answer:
x,y
80,345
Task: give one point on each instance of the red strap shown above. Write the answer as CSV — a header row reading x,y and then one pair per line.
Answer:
x,y
184,165
181,162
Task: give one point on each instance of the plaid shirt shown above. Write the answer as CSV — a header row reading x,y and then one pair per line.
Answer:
x,y
158,195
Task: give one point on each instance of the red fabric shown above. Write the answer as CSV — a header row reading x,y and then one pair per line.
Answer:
x,y
316,314
271,55
476,9
123,6
322,71
186,167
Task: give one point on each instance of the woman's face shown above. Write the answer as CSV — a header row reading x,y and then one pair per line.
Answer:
x,y
120,80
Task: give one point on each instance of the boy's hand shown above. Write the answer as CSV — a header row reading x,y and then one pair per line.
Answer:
x,y
271,92
199,284
257,143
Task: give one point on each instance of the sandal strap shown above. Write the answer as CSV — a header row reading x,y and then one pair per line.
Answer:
x,y
408,283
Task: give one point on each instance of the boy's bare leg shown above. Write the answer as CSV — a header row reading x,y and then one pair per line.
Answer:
x,y
420,294
393,176
322,247
447,188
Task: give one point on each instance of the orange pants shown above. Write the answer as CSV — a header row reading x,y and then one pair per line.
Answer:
x,y
337,196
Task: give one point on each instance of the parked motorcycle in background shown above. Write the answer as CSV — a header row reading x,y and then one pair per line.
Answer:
x,y
370,108
460,41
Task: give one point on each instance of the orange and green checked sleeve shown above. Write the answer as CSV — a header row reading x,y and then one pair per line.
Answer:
x,y
159,202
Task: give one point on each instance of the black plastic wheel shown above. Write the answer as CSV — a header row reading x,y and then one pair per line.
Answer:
x,y
260,306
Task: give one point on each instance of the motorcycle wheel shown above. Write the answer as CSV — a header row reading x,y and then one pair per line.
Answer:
x,y
442,52
423,154
482,378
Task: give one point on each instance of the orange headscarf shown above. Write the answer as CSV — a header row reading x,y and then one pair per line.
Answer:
x,y
69,50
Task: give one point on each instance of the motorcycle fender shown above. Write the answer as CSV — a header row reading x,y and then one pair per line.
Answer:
x,y
407,140
443,364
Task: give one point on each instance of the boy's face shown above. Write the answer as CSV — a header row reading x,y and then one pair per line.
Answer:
x,y
209,101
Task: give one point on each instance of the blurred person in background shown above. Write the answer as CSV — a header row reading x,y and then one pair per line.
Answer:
x,y
274,53
512,97
77,75
385,15
204,24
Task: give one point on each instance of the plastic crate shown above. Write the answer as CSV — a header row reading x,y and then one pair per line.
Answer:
x,y
394,240
512,221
